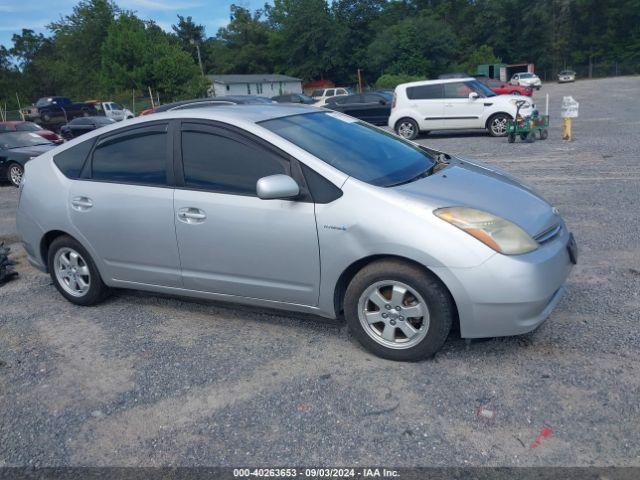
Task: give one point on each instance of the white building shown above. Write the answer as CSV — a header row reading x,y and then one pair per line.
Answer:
x,y
262,85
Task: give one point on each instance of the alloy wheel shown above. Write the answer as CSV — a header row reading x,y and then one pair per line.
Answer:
x,y
393,314
499,126
406,130
15,174
72,272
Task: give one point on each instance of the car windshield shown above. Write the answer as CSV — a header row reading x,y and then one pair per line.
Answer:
x,y
567,72
28,127
103,120
10,140
526,75
356,148
481,88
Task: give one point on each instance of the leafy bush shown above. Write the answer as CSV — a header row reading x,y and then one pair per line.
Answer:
x,y
390,80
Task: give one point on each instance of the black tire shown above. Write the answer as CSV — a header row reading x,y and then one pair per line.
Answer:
x,y
531,137
511,138
407,128
15,171
492,127
523,136
97,291
437,299
544,134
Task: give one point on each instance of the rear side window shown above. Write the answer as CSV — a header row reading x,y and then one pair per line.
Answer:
x,y
425,92
138,158
330,93
71,161
222,164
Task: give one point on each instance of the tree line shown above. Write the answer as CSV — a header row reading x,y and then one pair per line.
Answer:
x,y
100,50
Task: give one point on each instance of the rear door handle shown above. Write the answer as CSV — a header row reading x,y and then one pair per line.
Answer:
x,y
81,204
191,215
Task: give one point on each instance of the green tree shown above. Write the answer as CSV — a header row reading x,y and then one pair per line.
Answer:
x,y
302,30
137,55
78,40
416,46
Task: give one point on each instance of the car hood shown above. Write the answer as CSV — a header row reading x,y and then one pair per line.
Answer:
x,y
475,185
28,152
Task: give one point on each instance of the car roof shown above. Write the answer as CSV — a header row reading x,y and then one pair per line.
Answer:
x,y
436,82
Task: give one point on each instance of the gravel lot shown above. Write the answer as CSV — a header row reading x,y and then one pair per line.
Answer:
x,y
149,380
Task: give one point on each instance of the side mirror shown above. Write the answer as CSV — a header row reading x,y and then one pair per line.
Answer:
x,y
277,186
473,96
383,102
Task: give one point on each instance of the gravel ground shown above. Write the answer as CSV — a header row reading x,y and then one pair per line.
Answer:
x,y
151,380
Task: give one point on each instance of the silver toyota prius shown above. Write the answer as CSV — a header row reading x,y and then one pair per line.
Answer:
x,y
301,209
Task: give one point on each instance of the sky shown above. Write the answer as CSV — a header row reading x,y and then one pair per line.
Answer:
x,y
36,14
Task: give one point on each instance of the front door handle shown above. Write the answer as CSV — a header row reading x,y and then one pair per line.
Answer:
x,y
191,215
81,204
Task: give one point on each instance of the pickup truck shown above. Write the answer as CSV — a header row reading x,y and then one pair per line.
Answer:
x,y
55,111
112,110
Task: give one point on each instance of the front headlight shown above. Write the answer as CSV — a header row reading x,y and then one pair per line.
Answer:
x,y
497,233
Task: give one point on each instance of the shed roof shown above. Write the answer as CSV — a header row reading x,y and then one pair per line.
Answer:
x,y
251,78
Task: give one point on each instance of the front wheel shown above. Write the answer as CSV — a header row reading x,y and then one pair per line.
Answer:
x,y
407,128
398,311
15,173
497,124
74,273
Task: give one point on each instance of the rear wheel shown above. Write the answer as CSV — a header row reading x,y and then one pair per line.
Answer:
x,y
74,273
511,138
497,124
544,134
15,171
407,128
398,311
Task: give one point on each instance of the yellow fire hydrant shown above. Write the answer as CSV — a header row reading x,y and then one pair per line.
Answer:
x,y
569,111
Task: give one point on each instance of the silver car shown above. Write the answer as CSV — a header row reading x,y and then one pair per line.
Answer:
x,y
301,209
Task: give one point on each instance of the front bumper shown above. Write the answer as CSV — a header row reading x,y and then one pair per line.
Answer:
x,y
510,295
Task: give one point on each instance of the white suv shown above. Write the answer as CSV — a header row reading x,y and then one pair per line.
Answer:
x,y
452,104
322,94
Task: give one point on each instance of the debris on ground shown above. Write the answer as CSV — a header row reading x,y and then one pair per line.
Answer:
x,y
6,266
545,433
485,414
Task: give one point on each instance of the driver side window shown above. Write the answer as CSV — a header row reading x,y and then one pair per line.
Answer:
x,y
215,160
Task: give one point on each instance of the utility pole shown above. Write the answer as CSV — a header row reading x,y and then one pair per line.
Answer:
x,y
194,42
359,82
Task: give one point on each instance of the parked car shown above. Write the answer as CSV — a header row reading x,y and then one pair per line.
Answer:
x,y
112,110
18,126
53,111
452,104
16,149
294,98
208,102
215,203
80,126
566,76
372,107
504,88
321,95
526,79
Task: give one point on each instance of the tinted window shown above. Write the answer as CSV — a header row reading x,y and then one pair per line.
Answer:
x,y
456,90
137,158
317,93
371,98
222,164
70,161
371,155
330,93
424,92
322,190
81,121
